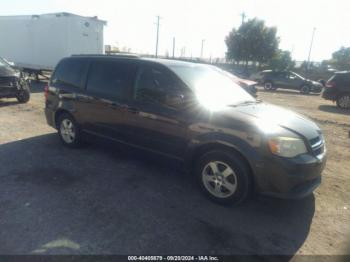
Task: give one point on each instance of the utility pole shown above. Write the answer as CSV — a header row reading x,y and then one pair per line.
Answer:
x,y
243,15
158,18
312,41
173,47
203,40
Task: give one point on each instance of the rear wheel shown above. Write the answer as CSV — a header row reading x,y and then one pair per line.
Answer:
x,y
69,131
23,96
268,85
224,177
343,101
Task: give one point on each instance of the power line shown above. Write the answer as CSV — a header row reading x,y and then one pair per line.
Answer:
x,y
203,40
312,41
157,39
243,15
173,47
183,51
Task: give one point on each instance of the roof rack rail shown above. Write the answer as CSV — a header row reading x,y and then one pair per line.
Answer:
x,y
127,55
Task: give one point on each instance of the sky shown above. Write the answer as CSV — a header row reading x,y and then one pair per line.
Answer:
x,y
132,23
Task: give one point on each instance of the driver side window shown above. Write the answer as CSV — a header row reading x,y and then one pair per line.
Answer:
x,y
154,85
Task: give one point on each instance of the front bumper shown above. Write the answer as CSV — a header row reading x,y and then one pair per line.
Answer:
x,y
11,86
316,89
290,178
8,93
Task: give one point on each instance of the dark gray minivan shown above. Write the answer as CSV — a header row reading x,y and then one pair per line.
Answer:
x,y
234,144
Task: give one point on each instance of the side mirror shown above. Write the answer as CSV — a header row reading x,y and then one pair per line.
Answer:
x,y
175,99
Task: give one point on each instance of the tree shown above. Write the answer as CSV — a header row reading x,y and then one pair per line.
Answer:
x,y
282,60
341,58
235,48
253,41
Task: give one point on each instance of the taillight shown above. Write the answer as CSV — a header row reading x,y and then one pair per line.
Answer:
x,y
46,91
330,84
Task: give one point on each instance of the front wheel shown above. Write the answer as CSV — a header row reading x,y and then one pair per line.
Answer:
x,y
224,177
69,131
305,89
23,96
343,101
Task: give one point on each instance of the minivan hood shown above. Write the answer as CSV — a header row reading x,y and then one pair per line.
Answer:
x,y
315,83
275,115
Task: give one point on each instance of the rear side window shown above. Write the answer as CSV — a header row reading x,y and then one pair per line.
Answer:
x,y
281,75
70,72
341,78
111,79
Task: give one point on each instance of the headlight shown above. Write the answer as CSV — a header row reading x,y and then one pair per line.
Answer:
x,y
287,146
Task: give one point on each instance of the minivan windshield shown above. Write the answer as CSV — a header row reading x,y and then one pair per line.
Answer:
x,y
213,88
299,76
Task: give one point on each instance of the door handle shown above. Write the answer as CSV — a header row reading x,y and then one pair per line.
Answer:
x,y
133,110
84,98
66,94
114,105
124,108
117,106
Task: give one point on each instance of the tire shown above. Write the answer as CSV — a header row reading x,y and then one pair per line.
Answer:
x,y
23,96
69,131
343,101
305,89
268,86
224,177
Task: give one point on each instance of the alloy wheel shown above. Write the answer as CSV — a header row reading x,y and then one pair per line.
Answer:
x,y
219,179
344,101
67,131
268,86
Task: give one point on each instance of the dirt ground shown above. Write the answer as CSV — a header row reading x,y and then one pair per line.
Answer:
x,y
38,211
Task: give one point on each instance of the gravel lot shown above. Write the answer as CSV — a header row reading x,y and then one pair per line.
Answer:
x,y
109,200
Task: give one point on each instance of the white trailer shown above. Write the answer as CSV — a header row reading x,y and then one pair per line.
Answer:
x,y
37,42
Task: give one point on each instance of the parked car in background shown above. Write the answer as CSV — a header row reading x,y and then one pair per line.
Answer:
x,y
338,89
258,76
247,85
232,143
272,80
13,83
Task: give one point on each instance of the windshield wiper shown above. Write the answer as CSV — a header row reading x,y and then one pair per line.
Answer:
x,y
248,102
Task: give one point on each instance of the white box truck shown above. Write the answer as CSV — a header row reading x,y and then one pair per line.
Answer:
x,y
36,43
